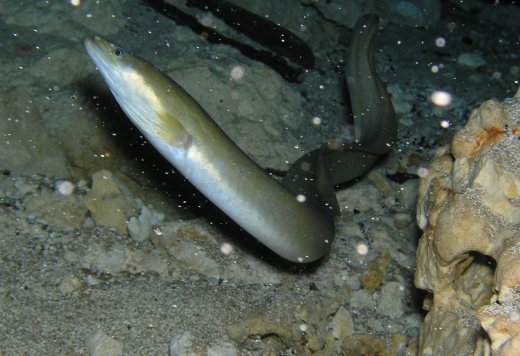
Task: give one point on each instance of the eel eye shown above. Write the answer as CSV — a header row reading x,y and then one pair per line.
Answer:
x,y
119,52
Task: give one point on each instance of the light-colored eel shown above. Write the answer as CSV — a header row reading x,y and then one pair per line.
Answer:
x,y
181,130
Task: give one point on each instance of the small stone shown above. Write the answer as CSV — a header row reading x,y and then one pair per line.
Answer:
x,y
342,324
402,220
182,345
106,202
100,344
373,276
70,284
141,227
221,348
57,209
391,300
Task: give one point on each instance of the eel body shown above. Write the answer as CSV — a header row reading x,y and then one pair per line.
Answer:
x,y
297,229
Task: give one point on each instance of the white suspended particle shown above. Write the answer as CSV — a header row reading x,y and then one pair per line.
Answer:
x,y
238,72
422,172
316,120
362,249
206,21
64,187
441,98
440,42
226,248
301,198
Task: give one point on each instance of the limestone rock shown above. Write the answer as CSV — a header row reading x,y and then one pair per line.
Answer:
x,y
469,211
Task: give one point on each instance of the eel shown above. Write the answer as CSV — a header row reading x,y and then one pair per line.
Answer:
x,y
317,172
278,214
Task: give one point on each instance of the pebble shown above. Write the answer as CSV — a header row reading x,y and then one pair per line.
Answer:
x,y
100,344
182,345
69,284
390,300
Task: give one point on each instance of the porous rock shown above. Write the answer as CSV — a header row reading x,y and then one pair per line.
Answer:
x,y
468,256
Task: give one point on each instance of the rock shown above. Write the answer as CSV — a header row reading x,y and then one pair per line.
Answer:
x,y
106,202
402,220
410,13
42,17
196,246
140,228
58,209
373,276
391,301
70,284
470,216
342,324
221,348
364,344
182,345
119,258
100,344
472,60
26,147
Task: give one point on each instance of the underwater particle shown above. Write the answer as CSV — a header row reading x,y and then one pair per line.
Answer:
x,y
316,120
226,248
445,124
64,187
361,249
206,21
435,68
440,42
441,98
75,3
422,172
237,72
301,198
303,327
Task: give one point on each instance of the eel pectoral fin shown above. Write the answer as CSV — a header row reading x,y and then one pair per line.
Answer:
x,y
172,131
